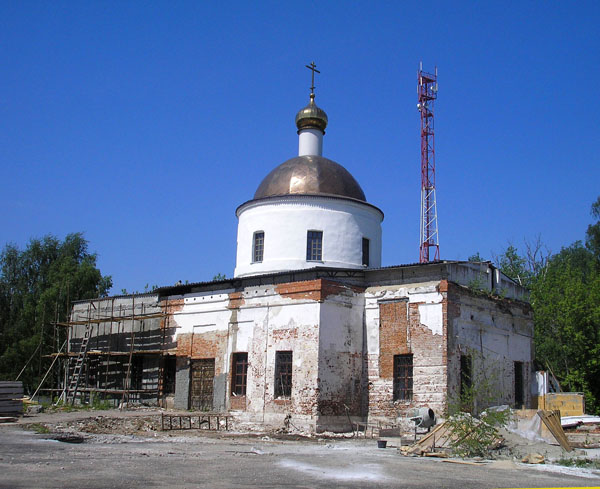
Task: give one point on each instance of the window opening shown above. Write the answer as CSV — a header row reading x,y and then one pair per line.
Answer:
x,y
258,247
136,374
283,374
466,383
519,384
314,246
403,377
170,374
240,374
365,252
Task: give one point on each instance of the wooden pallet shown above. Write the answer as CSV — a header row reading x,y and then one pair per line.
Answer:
x,y
11,398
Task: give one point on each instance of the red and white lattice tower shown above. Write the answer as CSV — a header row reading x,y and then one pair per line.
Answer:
x,y
429,248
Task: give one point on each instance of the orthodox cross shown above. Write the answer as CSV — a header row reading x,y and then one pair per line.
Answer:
x,y
313,67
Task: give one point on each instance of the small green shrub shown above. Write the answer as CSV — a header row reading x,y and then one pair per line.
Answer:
x,y
39,428
584,463
476,437
473,415
99,404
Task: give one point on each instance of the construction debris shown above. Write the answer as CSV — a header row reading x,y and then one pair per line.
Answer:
x,y
8,419
533,458
442,436
552,421
464,462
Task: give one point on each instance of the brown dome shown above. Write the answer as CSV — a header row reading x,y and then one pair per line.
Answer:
x,y
310,175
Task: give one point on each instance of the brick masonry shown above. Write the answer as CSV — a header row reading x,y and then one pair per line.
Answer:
x,y
343,337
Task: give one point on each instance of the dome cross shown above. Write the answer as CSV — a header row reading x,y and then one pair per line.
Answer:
x,y
313,67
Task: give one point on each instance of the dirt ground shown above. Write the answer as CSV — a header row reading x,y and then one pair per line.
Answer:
x,y
127,449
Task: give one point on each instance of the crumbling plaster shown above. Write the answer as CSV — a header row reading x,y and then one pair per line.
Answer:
x,y
422,303
495,332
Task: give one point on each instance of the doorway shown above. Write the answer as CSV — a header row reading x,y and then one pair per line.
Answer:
x,y
202,384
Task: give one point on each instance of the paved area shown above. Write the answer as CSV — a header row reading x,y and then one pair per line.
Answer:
x,y
190,460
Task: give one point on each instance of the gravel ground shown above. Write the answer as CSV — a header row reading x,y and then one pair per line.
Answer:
x,y
121,449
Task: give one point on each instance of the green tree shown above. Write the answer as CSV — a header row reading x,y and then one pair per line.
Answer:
x,y
566,305
593,231
476,258
514,265
37,285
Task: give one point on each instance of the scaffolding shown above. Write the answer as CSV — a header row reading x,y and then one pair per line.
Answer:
x,y
121,352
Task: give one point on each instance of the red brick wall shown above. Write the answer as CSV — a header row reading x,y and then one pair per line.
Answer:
x,y
317,290
393,328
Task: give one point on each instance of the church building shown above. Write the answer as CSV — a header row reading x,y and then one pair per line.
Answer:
x,y
311,328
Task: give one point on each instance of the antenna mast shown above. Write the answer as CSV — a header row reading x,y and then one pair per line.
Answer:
x,y
427,89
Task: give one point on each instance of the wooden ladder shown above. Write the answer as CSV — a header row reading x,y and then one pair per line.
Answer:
x,y
74,380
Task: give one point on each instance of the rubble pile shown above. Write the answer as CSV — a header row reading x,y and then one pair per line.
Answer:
x,y
112,425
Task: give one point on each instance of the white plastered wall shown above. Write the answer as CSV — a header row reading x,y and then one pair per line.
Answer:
x,y
285,222
265,322
341,376
495,333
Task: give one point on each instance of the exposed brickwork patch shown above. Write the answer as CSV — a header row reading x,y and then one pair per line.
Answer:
x,y
393,328
235,300
212,344
317,290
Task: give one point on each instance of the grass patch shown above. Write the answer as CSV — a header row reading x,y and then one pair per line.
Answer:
x,y
42,429
96,403
582,463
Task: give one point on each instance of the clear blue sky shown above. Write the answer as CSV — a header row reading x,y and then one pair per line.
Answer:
x,y
145,124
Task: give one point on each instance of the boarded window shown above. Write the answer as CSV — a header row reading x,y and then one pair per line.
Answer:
x,y
365,252
519,401
240,374
283,374
403,377
258,246
314,246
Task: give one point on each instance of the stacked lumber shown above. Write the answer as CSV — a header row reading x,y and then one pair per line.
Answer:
x,y
11,398
552,421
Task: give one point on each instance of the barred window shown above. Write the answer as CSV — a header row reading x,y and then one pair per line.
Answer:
x,y
240,374
314,246
283,374
403,377
365,252
258,246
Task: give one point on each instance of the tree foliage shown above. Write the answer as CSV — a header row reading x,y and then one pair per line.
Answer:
x,y
593,231
37,285
565,296
566,304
